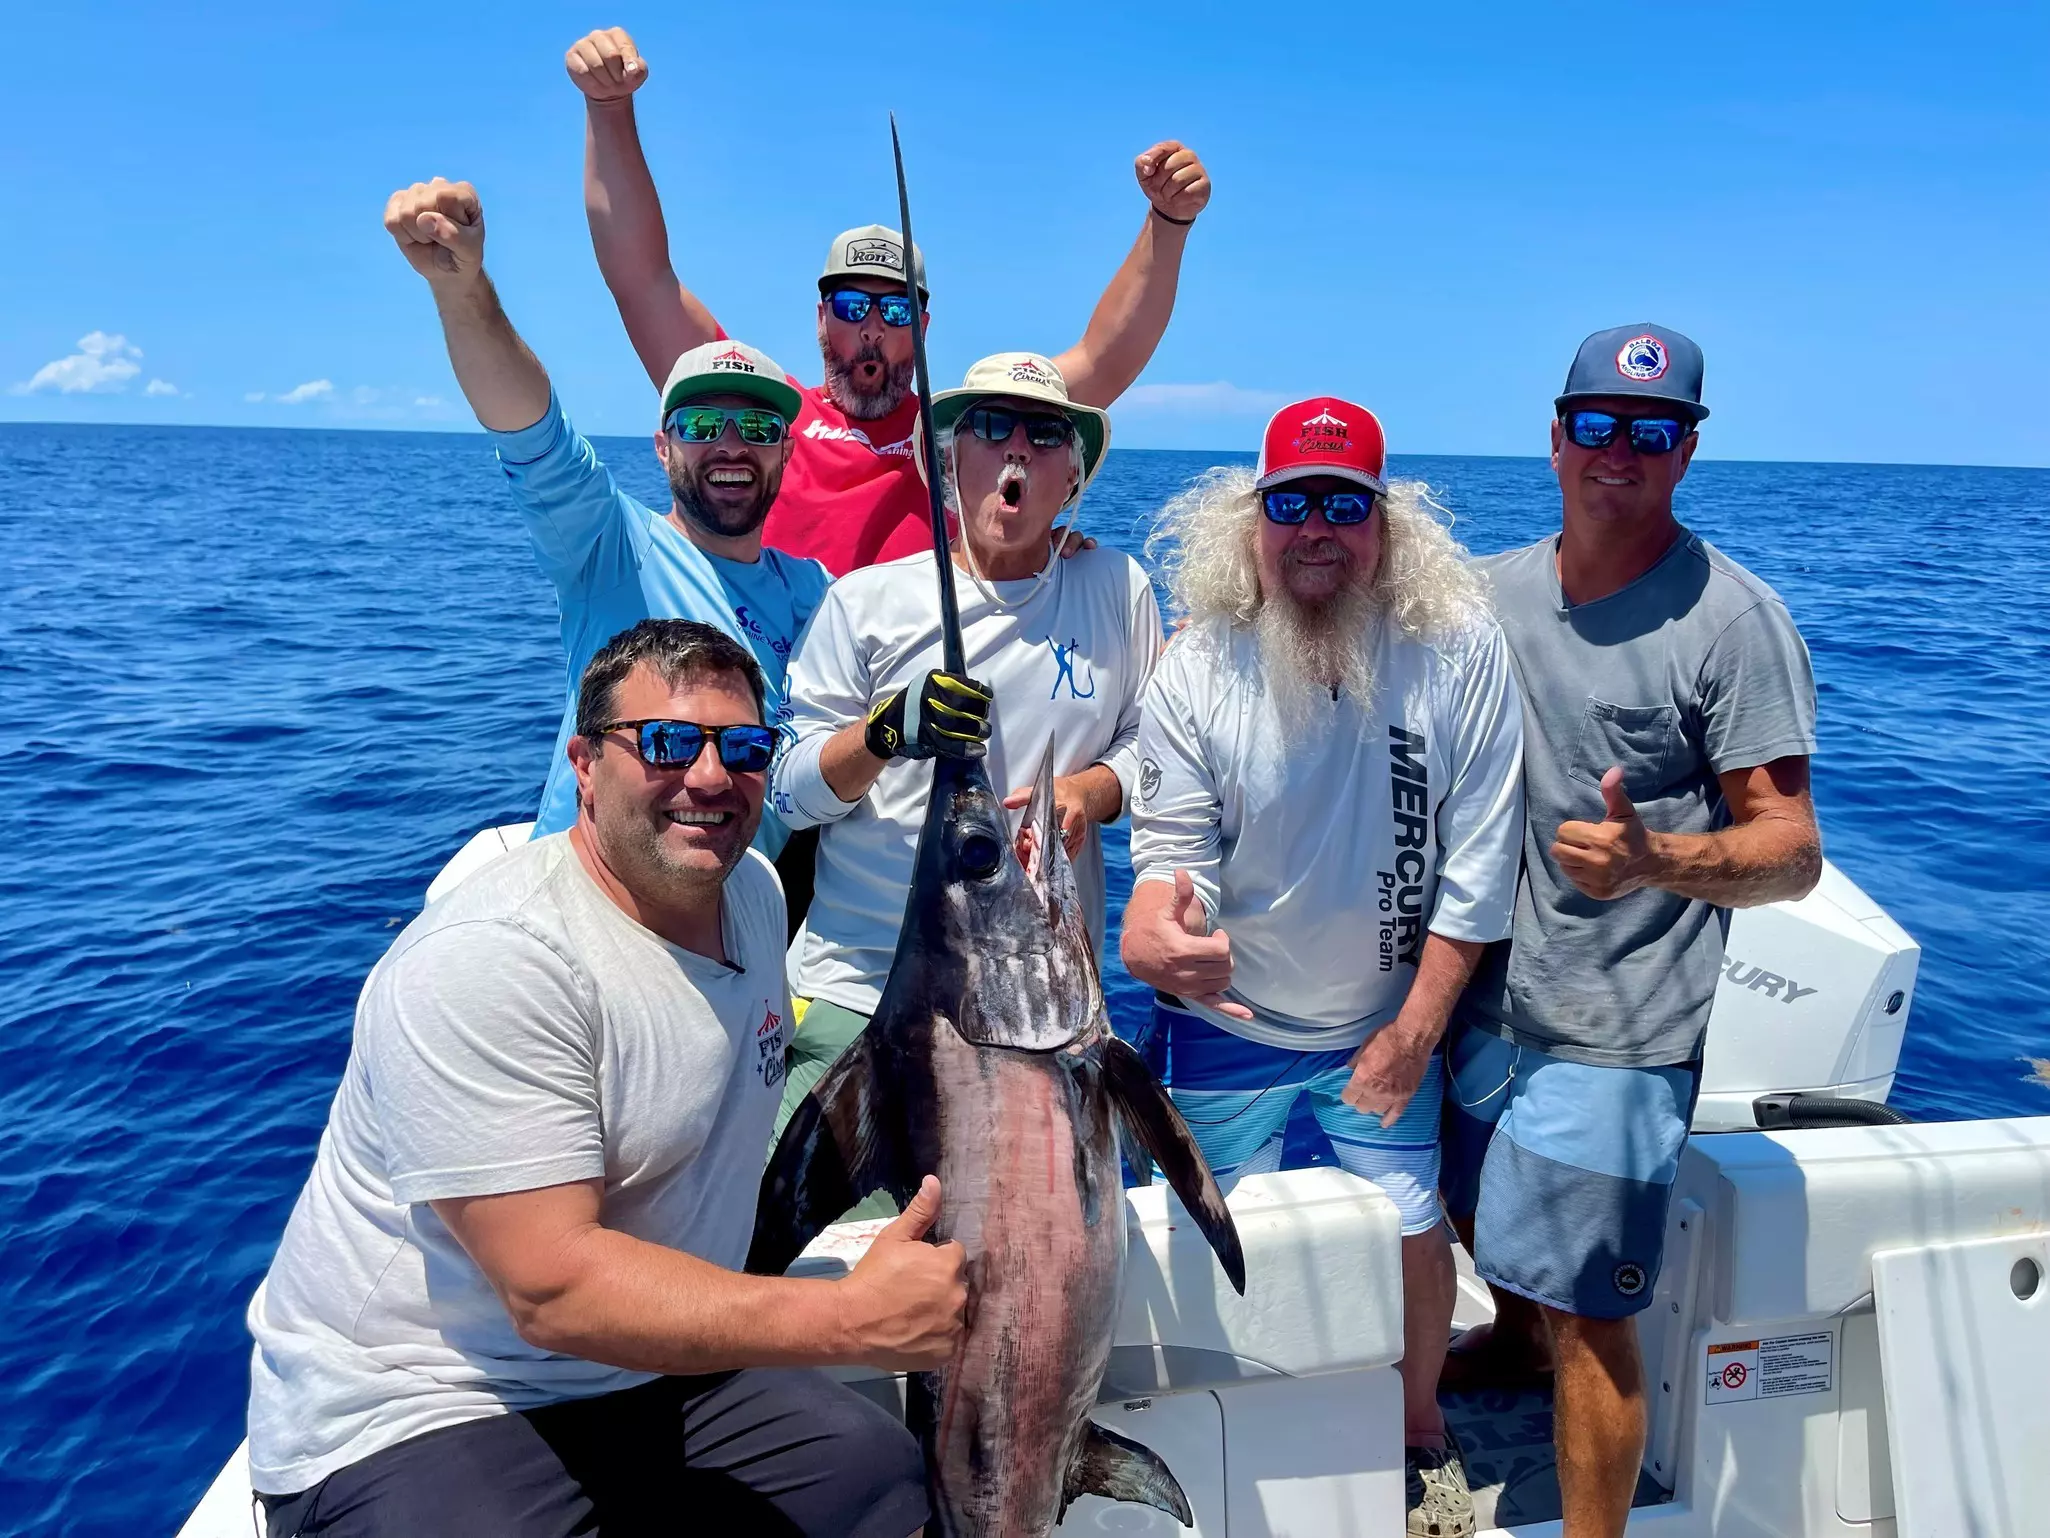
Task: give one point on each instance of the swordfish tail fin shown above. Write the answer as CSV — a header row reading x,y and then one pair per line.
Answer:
x,y
1120,1469
1160,1130
838,1147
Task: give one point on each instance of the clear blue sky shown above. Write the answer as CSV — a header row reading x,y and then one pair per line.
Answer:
x,y
1421,207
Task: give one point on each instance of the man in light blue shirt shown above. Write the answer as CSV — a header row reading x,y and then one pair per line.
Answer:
x,y
724,439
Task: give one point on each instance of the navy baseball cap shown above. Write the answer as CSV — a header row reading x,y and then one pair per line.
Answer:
x,y
1655,362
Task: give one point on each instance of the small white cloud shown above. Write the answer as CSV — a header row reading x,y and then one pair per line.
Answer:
x,y
427,400
313,389
160,387
1217,399
254,395
103,363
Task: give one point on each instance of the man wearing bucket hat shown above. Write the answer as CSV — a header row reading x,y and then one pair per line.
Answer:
x,y
1325,835
1068,643
852,496
723,439
1669,716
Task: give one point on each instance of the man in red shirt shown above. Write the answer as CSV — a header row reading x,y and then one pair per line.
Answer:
x,y
850,495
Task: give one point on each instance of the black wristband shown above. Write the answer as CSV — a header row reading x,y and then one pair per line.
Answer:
x,y
1170,218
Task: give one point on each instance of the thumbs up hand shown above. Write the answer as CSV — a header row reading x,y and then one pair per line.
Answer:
x,y
1610,858
1167,944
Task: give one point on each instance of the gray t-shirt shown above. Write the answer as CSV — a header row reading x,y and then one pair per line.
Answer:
x,y
1692,670
522,1032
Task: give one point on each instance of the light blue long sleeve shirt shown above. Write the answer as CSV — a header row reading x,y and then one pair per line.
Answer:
x,y
615,562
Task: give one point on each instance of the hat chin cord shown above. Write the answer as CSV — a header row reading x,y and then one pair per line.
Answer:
x,y
1056,536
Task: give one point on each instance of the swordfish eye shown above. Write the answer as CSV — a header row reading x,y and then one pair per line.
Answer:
x,y
979,851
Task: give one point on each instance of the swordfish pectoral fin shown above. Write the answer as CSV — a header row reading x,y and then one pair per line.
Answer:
x,y
1159,1127
1120,1469
836,1149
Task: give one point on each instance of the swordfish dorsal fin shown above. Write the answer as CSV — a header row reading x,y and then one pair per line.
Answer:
x,y
1160,1130
1120,1469
841,1144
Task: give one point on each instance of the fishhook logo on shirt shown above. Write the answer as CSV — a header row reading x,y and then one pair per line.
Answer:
x,y
1064,658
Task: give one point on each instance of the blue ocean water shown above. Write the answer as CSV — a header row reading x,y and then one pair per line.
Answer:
x,y
255,687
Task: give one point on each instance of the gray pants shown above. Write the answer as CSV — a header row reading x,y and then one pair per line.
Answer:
x,y
825,1031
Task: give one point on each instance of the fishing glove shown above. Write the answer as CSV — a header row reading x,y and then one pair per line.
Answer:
x,y
943,713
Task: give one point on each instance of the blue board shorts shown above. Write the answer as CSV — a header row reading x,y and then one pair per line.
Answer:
x,y
1236,1096
1566,1171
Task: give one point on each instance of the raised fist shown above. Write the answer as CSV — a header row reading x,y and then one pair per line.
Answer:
x,y
439,225
605,64
1173,179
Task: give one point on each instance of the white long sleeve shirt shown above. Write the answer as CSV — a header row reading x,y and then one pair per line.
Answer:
x,y
1068,662
1327,851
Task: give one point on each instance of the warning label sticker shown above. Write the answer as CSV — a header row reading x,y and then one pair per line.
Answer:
x,y
1768,1369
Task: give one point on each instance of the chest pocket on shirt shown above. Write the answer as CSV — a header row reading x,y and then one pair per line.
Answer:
x,y
1639,738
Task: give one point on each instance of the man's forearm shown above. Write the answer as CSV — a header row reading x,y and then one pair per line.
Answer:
x,y
1130,318
846,763
629,1303
631,240
1442,972
502,379
1103,794
1764,861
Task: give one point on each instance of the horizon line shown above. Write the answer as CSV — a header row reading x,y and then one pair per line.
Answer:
x,y
474,431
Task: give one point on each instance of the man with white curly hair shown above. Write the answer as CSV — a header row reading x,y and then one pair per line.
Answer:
x,y
1067,644
1325,837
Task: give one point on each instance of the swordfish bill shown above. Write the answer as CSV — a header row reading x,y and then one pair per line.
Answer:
x,y
990,1062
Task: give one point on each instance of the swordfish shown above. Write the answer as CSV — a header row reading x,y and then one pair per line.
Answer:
x,y
990,1062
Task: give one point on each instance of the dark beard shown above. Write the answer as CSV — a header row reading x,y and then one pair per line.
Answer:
x,y
866,405
728,525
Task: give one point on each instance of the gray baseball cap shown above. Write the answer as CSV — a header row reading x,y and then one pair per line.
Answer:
x,y
1655,362
868,252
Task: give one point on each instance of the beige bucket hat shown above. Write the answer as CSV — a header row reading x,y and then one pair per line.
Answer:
x,y
1026,376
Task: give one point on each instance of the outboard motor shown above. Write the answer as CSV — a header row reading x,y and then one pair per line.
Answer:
x,y
1813,1002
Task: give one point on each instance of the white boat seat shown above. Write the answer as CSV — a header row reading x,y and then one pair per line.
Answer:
x,y
1802,1213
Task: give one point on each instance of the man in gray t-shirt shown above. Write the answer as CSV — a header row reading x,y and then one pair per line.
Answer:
x,y
509,1303
1669,715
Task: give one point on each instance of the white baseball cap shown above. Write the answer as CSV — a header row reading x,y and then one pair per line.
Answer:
x,y
730,368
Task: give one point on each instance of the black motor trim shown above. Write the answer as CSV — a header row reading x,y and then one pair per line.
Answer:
x,y
1775,1112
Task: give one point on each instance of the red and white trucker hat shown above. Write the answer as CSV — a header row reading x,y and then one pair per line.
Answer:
x,y
1323,436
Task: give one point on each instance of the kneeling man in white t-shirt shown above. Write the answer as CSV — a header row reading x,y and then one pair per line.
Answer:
x,y
1066,644
508,1301
1326,834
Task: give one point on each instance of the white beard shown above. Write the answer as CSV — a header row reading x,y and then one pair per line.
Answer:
x,y
1311,654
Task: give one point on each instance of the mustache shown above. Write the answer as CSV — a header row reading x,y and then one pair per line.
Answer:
x,y
1300,552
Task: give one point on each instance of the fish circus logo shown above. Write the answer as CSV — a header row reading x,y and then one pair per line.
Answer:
x,y
733,361
1323,434
1642,358
1026,371
875,253
769,1049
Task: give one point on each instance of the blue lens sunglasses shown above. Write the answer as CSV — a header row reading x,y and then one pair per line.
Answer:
x,y
1648,435
1338,507
677,744
852,305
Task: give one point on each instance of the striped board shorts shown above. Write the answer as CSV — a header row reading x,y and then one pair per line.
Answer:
x,y
1566,1169
1236,1096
